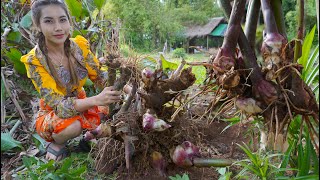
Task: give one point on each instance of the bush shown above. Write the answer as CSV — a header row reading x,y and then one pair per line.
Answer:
x,y
179,53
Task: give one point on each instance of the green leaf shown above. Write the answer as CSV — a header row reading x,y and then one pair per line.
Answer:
x,y
66,164
286,157
311,71
312,60
99,3
252,169
7,142
222,171
52,176
300,156
78,171
178,177
306,47
307,177
70,177
312,75
34,176
28,161
265,167
14,56
306,158
185,177
82,32
251,156
75,7
39,141
233,120
200,73
167,64
26,20
49,165
315,160
14,36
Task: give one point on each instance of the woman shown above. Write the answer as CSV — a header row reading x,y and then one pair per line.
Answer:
x,y
58,67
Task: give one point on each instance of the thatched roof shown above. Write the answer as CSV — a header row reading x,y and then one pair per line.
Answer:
x,y
200,31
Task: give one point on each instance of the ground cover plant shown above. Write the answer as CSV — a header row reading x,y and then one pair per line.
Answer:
x,y
185,115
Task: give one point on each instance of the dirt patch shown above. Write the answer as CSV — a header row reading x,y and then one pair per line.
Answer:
x,y
213,144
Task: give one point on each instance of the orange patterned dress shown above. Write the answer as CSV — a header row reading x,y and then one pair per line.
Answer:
x,y
57,103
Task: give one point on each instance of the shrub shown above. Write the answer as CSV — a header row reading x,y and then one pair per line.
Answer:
x,y
179,53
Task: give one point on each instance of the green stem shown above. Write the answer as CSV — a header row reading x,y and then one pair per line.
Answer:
x,y
279,17
317,10
297,48
210,162
252,21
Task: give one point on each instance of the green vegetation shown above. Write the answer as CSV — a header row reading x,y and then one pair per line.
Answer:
x,y
178,177
179,53
144,31
290,10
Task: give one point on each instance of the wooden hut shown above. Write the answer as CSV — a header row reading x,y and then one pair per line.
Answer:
x,y
208,35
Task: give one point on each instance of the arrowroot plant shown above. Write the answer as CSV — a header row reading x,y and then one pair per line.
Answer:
x,y
275,90
143,132
140,132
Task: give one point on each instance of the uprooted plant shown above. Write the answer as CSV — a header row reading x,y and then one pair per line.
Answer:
x,y
138,130
236,80
276,90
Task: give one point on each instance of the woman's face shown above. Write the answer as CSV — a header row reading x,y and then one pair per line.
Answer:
x,y
54,24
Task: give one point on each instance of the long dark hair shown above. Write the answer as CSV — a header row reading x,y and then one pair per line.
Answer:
x,y
38,36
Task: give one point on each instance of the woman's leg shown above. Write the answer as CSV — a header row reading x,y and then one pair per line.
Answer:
x,y
70,132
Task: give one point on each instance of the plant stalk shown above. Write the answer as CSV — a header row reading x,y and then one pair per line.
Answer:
x,y
15,127
210,162
234,26
14,100
262,89
279,17
317,11
248,53
127,102
298,45
252,21
268,17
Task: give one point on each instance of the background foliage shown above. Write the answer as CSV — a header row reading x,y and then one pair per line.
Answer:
x,y
146,30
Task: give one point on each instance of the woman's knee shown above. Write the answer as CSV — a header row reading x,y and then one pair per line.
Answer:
x,y
75,128
72,131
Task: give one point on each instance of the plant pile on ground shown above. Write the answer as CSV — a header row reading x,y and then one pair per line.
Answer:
x,y
157,126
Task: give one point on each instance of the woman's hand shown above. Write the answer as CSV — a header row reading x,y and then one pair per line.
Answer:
x,y
108,96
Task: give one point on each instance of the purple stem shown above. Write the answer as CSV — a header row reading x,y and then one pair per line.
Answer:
x,y
234,26
268,17
252,21
248,53
279,17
